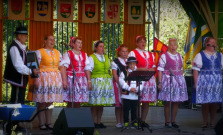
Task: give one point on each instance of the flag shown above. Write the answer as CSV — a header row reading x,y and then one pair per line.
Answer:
x,y
158,46
205,31
188,47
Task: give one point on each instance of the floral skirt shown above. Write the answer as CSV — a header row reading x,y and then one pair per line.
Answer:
x,y
50,88
79,89
117,90
209,88
176,91
149,93
102,92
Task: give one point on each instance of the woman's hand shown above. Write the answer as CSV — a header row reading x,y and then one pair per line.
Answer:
x,y
89,85
36,83
65,85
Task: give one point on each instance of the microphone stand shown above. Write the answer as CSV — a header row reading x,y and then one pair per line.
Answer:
x,y
74,76
171,77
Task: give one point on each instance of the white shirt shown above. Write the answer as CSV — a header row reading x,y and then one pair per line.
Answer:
x,y
38,55
115,66
141,53
124,85
99,58
17,60
162,60
66,60
197,62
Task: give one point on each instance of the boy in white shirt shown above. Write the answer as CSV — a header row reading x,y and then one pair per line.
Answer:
x,y
129,93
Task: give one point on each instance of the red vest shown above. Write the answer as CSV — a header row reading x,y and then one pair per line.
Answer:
x,y
143,62
78,65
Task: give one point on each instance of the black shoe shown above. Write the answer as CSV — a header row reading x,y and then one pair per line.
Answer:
x,y
49,126
167,124
174,125
101,125
42,127
96,125
144,124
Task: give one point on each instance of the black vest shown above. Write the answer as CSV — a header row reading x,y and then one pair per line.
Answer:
x,y
11,75
121,68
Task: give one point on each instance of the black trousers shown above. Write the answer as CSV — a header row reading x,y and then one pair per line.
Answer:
x,y
129,105
17,94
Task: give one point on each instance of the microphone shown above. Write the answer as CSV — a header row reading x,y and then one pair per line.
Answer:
x,y
211,46
156,51
64,44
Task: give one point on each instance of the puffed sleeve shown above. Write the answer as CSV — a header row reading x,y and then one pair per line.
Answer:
x,y
61,60
91,64
66,60
122,82
197,62
38,55
132,54
153,61
114,66
162,62
87,63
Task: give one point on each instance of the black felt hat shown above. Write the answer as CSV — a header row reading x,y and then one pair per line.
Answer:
x,y
131,59
21,30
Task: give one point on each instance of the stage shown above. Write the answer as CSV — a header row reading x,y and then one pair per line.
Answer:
x,y
189,121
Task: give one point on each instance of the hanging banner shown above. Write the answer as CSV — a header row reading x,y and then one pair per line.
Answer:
x,y
16,10
90,11
112,11
135,12
42,10
65,10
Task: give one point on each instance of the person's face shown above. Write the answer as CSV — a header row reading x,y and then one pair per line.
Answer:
x,y
50,42
132,65
172,47
141,44
100,49
123,53
211,45
77,45
22,38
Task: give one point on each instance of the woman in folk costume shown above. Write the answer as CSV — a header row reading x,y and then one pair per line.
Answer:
x,y
207,72
76,60
102,92
145,62
118,65
48,87
172,90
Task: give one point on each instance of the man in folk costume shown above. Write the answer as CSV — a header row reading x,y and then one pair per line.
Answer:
x,y
16,71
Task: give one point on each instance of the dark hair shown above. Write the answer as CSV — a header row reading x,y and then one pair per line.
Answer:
x,y
120,48
97,43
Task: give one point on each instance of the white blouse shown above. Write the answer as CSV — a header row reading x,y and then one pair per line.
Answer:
x,y
162,60
141,53
66,60
124,85
115,66
197,62
38,54
99,57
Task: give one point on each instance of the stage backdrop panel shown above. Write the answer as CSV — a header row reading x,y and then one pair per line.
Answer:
x,y
90,11
112,11
42,10
16,10
135,12
1,9
65,10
